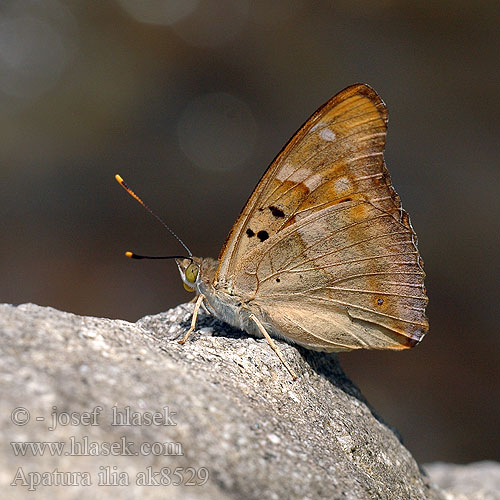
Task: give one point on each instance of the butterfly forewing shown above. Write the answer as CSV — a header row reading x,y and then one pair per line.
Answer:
x,y
336,155
323,248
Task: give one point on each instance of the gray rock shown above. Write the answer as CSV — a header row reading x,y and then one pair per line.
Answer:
x,y
225,405
476,481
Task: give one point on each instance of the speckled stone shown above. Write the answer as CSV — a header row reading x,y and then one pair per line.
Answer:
x,y
475,481
225,401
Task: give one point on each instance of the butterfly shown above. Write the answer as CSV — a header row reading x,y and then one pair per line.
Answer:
x,y
322,254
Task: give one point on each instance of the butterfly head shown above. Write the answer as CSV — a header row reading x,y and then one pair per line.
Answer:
x,y
189,269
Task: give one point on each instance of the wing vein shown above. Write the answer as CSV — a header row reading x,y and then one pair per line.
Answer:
x,y
352,245
361,308
326,146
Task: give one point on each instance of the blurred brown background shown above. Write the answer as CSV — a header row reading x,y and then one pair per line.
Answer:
x,y
190,100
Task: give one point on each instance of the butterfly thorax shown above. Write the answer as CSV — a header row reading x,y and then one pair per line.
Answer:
x,y
224,304
220,300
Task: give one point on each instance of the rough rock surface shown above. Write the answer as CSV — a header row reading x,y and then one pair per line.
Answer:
x,y
476,481
223,403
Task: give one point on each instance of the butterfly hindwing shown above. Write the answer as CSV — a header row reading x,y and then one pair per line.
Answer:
x,y
351,270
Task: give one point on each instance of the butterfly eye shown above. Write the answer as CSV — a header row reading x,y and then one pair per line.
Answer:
x,y
191,273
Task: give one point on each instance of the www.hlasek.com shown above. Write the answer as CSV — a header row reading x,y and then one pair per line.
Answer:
x,y
86,447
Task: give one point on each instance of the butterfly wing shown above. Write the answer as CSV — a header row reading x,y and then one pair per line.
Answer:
x,y
323,248
345,277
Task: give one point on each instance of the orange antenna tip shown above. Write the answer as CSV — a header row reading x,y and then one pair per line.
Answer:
x,y
124,185
129,254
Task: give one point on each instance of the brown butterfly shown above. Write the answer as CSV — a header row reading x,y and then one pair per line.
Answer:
x,y
323,253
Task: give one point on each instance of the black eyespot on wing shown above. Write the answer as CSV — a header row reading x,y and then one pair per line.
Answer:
x,y
276,211
277,280
250,233
262,235
380,302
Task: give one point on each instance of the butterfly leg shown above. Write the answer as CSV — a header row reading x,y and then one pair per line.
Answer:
x,y
260,326
210,313
193,320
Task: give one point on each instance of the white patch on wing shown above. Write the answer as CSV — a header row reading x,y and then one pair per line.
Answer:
x,y
313,182
300,175
284,171
327,134
342,185
288,173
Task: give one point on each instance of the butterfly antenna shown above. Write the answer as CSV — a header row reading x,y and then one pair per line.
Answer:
x,y
132,255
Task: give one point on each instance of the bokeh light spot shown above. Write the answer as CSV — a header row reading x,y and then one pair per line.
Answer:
x,y
159,11
217,131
